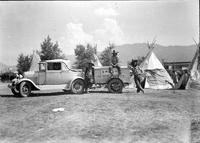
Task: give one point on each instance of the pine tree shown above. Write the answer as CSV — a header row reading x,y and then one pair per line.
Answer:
x,y
84,55
50,51
105,57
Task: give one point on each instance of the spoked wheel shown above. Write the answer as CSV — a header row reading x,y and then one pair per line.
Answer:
x,y
115,85
78,86
15,91
24,89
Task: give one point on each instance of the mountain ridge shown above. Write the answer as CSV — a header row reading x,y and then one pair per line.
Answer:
x,y
170,53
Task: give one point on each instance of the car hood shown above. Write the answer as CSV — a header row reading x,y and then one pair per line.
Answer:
x,y
29,74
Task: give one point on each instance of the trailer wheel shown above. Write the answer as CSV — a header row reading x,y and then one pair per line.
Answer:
x,y
24,89
77,86
115,85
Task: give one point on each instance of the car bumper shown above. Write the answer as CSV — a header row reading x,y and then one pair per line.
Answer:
x,y
12,85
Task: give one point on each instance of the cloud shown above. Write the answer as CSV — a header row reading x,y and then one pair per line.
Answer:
x,y
109,32
74,35
106,12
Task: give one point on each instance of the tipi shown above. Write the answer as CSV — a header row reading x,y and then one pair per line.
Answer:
x,y
156,75
35,60
194,79
96,61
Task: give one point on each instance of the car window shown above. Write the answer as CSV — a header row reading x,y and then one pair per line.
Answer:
x,y
42,67
54,66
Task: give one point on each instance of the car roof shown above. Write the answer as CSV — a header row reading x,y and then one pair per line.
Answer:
x,y
67,62
56,60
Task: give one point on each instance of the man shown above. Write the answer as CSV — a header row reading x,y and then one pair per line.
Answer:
x,y
184,79
114,61
139,76
88,76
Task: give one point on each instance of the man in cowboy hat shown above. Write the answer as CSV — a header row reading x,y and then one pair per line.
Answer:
x,y
114,61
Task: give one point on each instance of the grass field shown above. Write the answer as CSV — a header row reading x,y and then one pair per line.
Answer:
x,y
158,116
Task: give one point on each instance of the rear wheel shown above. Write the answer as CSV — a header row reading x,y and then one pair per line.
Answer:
x,y
77,86
115,85
25,89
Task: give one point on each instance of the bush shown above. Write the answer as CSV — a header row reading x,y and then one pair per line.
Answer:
x,y
7,76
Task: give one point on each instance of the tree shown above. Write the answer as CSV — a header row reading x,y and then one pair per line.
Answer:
x,y
23,63
50,51
105,56
84,55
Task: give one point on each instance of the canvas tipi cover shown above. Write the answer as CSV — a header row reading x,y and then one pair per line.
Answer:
x,y
34,64
156,75
96,62
194,79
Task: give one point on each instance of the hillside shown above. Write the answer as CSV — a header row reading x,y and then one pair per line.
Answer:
x,y
167,53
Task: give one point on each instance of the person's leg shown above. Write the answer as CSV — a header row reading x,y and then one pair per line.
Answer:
x,y
86,85
143,83
93,75
119,69
138,85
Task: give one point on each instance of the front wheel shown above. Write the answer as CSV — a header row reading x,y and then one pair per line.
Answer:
x,y
77,86
24,89
15,91
115,85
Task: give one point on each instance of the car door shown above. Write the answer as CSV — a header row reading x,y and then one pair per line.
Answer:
x,y
53,73
42,74
66,74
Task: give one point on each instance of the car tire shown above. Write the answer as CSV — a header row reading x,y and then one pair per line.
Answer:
x,y
15,91
25,89
115,85
78,86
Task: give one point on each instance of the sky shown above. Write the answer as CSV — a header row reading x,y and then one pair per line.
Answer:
x,y
25,24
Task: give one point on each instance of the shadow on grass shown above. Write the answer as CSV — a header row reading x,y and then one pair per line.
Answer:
x,y
100,91
9,96
50,93
37,94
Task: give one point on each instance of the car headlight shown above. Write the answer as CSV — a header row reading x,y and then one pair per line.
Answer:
x,y
19,76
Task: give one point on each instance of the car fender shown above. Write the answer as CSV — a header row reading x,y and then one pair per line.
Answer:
x,y
69,84
33,85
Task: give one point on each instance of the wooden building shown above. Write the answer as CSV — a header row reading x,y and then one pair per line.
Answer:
x,y
177,65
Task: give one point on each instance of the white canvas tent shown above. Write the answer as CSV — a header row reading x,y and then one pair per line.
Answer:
x,y
34,64
96,62
194,79
157,76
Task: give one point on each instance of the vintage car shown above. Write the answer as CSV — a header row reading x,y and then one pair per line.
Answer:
x,y
52,74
